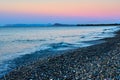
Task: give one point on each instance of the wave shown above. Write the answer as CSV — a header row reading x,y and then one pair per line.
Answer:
x,y
60,45
29,40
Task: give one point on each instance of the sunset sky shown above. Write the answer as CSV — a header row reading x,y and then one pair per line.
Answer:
x,y
59,11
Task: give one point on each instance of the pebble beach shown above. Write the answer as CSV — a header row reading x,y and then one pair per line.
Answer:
x,y
97,62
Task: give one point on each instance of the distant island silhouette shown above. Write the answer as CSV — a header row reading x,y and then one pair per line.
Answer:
x,y
114,24
57,24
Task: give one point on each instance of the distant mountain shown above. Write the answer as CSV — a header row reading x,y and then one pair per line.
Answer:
x,y
28,25
115,24
57,25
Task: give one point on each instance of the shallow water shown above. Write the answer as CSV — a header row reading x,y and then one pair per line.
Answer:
x,y
15,42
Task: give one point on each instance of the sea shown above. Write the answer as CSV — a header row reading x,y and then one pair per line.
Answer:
x,y
16,42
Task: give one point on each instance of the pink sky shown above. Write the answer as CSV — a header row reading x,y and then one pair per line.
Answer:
x,y
63,8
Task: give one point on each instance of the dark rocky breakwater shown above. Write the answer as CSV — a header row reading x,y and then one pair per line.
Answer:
x,y
98,62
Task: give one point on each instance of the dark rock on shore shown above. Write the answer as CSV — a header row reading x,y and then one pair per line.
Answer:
x,y
98,62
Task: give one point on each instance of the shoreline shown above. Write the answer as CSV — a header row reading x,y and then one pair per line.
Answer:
x,y
93,62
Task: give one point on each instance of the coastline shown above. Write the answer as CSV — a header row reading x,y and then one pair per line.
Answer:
x,y
97,62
